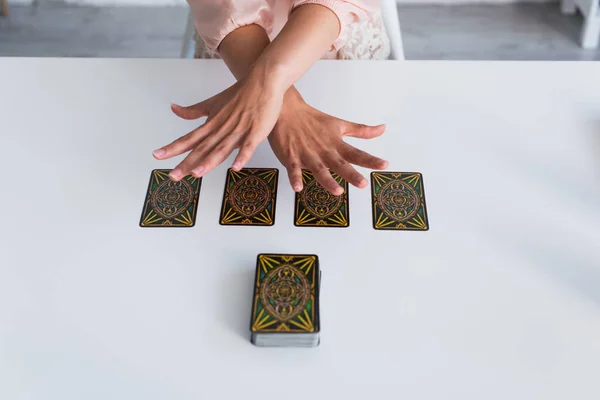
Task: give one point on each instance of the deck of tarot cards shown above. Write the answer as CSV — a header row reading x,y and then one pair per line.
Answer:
x,y
285,306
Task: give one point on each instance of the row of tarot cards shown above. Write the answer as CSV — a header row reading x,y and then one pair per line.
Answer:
x,y
285,305
250,197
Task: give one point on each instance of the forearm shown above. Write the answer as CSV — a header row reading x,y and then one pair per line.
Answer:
x,y
242,47
309,33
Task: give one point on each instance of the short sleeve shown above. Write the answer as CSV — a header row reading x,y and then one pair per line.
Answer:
x,y
347,12
215,19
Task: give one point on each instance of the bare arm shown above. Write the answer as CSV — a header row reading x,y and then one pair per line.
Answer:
x,y
242,47
309,33
303,136
246,113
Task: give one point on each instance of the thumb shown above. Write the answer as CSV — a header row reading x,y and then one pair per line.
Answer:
x,y
365,131
195,111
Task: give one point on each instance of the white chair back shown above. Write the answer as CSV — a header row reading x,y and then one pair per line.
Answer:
x,y
389,13
188,46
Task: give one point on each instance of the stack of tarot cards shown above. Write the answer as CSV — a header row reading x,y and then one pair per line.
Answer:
x,y
285,306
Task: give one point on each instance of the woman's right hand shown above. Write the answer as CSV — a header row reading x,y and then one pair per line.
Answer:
x,y
241,116
306,138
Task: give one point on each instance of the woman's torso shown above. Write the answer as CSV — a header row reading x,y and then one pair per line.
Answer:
x,y
365,38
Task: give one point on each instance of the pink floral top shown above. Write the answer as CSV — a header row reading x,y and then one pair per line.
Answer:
x,y
215,19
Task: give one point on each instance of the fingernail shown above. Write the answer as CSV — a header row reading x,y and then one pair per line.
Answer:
x,y
339,191
362,182
198,171
297,187
158,153
237,165
176,174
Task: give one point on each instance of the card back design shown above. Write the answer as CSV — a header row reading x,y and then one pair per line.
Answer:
x,y
398,200
286,294
250,197
315,206
169,203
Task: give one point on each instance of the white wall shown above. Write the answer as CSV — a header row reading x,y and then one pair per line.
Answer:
x,y
180,2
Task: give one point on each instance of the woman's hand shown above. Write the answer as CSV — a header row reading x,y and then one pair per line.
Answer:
x,y
304,137
241,116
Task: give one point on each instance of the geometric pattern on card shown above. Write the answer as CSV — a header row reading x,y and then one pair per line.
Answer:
x,y
250,197
286,294
315,206
398,200
170,204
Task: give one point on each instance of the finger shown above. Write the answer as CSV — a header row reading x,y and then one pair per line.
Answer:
x,y
215,156
323,176
194,163
245,154
364,131
347,171
190,163
362,158
197,162
195,111
295,174
183,144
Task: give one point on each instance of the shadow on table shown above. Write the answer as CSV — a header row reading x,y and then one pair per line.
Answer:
x,y
236,299
568,260
564,251
562,183
571,268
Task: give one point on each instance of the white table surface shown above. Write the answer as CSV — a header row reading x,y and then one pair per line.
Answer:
x,y
499,300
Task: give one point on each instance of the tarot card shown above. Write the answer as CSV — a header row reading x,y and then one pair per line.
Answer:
x,y
250,197
169,203
286,294
315,206
398,200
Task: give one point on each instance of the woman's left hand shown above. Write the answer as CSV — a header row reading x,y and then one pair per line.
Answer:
x,y
306,138
241,116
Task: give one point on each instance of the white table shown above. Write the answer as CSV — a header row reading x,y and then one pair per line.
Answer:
x,y
499,300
